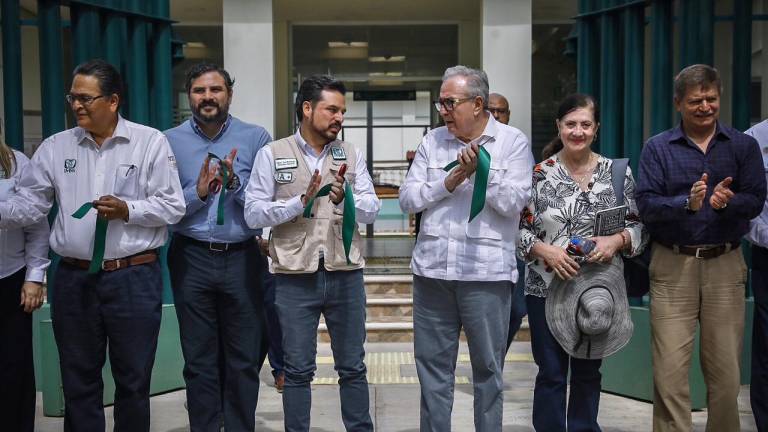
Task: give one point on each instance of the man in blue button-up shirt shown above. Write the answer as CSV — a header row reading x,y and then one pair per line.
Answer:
x,y
214,260
699,184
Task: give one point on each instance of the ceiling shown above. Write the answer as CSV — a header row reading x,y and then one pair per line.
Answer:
x,y
209,12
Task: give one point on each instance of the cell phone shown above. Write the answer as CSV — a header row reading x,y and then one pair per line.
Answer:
x,y
342,170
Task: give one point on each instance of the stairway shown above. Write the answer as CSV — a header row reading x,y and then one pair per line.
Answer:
x,y
389,303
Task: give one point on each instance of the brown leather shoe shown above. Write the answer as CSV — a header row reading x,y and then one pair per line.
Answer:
x,y
280,382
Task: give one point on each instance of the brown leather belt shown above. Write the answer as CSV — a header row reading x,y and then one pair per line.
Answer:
x,y
704,252
115,264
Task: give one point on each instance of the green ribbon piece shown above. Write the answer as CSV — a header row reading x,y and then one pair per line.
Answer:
x,y
99,238
223,192
348,223
481,181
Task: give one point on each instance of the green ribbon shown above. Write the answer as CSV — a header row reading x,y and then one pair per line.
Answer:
x,y
348,223
223,192
481,181
99,238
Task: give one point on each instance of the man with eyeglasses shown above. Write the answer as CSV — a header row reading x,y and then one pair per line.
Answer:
x,y
117,188
499,108
216,268
464,261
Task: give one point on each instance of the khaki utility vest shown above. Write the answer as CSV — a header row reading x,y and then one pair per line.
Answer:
x,y
294,246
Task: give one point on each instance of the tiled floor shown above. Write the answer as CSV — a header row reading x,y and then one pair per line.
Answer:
x,y
395,398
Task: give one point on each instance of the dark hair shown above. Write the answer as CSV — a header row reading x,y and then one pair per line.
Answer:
x,y
311,90
110,81
569,104
698,75
200,69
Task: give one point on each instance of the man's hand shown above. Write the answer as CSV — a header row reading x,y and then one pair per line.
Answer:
x,y
32,294
229,162
314,186
337,190
722,194
111,208
207,175
698,192
263,246
455,178
468,158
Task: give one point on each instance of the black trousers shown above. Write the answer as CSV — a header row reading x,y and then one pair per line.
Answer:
x,y
759,385
220,307
17,370
118,312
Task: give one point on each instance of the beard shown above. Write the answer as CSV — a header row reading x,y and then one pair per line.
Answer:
x,y
219,116
325,131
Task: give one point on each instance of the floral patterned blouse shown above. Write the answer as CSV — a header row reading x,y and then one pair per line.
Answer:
x,y
559,209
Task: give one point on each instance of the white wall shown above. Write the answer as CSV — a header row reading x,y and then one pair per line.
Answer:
x,y
249,57
506,53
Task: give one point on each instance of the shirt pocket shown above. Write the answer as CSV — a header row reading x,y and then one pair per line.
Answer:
x,y
7,188
126,184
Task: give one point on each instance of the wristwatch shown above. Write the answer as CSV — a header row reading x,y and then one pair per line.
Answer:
x,y
688,206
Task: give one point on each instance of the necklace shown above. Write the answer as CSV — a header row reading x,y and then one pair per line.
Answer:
x,y
587,174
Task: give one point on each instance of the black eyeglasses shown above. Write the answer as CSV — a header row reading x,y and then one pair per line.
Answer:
x,y
83,99
450,103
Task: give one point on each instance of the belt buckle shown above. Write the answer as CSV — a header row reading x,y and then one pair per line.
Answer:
x,y
698,249
104,262
211,247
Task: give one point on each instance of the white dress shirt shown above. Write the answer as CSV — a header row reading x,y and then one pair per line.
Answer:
x,y
26,246
449,247
261,210
758,228
135,165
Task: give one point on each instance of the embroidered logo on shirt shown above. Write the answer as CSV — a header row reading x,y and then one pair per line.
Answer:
x,y
286,163
69,165
284,177
172,162
338,153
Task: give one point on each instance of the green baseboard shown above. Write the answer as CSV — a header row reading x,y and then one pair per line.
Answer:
x,y
166,374
629,373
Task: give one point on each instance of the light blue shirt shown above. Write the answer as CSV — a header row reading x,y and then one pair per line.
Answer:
x,y
191,146
758,228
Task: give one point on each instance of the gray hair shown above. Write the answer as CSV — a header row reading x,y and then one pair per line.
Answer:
x,y
698,75
477,81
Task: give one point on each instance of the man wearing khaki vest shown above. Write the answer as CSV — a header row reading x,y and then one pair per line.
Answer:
x,y
299,188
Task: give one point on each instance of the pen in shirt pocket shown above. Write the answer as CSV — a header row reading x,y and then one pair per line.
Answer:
x,y
130,169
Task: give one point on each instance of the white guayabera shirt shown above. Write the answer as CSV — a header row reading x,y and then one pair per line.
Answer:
x,y
135,165
449,247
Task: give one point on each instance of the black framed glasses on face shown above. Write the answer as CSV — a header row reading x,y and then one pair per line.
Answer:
x,y
449,103
83,99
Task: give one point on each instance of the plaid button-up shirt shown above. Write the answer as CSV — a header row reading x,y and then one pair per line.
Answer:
x,y
669,165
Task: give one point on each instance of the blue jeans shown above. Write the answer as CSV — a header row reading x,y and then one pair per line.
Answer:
x,y
759,385
518,309
549,409
440,309
119,311
219,304
340,297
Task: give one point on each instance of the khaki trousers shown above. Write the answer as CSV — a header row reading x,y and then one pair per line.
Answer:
x,y
686,290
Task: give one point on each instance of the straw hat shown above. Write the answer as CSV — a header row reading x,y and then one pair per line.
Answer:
x,y
589,314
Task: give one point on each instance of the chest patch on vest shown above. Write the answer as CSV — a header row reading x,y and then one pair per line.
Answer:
x,y
286,163
284,177
338,153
